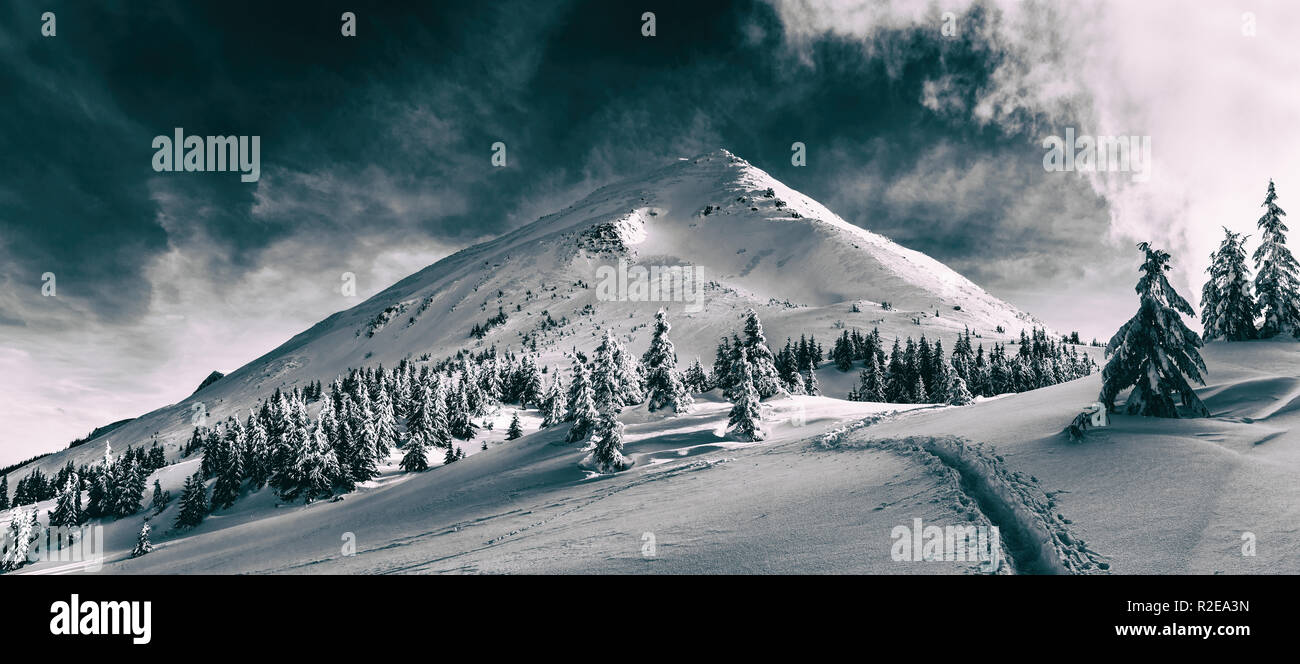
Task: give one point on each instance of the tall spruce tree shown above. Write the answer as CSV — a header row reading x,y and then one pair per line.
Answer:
x,y
606,374
67,511
4,492
582,404
1277,282
416,457
515,430
1154,350
23,530
745,420
607,445
761,363
663,383
1227,305
871,384
554,403
160,498
194,503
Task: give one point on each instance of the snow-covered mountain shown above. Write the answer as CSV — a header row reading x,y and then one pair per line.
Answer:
x,y
756,242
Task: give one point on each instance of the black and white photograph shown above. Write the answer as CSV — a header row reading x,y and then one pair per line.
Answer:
x,y
918,288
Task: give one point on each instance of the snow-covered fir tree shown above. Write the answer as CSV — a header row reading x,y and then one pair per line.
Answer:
x,y
67,512
4,492
515,430
607,445
230,468
871,382
958,394
460,416
142,543
1227,302
160,498
722,365
385,423
194,503
554,404
606,376
762,367
23,530
582,404
745,420
1277,277
1154,352
696,380
664,386
316,469
416,457
257,459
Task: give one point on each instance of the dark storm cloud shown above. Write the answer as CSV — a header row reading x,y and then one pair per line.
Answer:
x,y
368,140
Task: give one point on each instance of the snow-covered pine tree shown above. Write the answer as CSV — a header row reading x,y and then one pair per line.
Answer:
x,y
530,383
316,470
745,420
23,530
4,492
423,407
696,380
385,423
871,383
1277,277
453,455
663,384
160,498
1227,303
128,485
230,474
897,389
516,430
762,367
416,458
722,364
67,511
582,405
142,543
607,445
942,374
958,394
606,374
554,403
460,416
1154,350
918,393
808,374
257,461
194,503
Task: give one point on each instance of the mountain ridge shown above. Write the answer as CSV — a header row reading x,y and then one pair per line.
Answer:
x,y
762,244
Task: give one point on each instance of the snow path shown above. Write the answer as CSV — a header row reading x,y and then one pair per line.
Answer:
x,y
1035,541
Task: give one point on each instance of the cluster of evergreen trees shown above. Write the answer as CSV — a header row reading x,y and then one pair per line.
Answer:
x,y
111,485
1229,308
920,372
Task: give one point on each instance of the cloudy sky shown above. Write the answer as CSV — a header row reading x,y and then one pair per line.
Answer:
x,y
375,153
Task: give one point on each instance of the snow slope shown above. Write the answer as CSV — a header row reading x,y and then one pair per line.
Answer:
x,y
797,263
822,495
